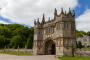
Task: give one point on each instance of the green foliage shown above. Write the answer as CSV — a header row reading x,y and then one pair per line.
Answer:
x,y
79,44
2,40
88,33
16,41
15,34
30,39
29,43
80,33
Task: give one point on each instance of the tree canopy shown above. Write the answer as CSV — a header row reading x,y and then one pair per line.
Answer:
x,y
12,35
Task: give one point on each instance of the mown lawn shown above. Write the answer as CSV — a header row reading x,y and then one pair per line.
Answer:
x,y
74,58
86,49
16,53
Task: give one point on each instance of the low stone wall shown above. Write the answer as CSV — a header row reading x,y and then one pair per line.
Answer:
x,y
82,53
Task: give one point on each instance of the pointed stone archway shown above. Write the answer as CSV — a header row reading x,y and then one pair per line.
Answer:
x,y
50,47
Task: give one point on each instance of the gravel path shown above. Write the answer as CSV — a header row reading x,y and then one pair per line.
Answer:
x,y
13,57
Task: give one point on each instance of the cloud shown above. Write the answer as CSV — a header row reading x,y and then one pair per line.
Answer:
x,y
83,21
25,11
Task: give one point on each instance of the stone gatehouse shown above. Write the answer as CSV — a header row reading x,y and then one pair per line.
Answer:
x,y
55,36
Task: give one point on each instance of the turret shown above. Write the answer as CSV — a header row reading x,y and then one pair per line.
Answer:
x,y
35,22
55,13
43,19
62,12
38,22
49,19
69,13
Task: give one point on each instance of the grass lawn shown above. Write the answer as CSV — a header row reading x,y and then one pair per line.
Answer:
x,y
87,49
15,53
74,58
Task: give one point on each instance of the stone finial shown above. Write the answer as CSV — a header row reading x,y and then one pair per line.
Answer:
x,y
49,19
55,12
34,22
43,19
62,12
38,21
70,12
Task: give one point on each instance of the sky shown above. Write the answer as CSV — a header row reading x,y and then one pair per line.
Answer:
x,y
26,11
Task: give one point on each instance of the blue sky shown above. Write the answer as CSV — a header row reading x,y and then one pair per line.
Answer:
x,y
26,11
82,7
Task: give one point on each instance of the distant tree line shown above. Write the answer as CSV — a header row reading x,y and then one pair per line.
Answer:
x,y
82,33
16,35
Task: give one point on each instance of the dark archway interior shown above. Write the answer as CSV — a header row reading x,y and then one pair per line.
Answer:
x,y
50,48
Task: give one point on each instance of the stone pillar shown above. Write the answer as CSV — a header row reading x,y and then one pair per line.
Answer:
x,y
59,51
35,48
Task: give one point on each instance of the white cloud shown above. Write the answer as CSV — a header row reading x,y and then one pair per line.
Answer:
x,y
83,21
25,11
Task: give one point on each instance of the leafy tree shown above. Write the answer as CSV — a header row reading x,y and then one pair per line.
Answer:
x,y
5,31
2,39
16,34
80,33
88,33
30,39
16,41
29,43
79,44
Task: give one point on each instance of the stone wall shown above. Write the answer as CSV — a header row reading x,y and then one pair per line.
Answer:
x,y
82,53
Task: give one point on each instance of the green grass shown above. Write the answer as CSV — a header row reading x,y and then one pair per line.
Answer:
x,y
86,49
16,53
74,58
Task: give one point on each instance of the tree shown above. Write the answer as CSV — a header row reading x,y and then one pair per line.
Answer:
x,y
88,33
29,44
5,32
80,33
16,41
2,39
16,34
79,44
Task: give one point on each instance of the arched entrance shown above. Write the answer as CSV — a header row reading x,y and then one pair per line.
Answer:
x,y
50,48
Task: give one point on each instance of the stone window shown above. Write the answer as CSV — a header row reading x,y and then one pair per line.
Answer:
x,y
49,30
39,32
66,25
58,26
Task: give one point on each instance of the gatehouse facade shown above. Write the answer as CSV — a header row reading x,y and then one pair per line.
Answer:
x,y
55,36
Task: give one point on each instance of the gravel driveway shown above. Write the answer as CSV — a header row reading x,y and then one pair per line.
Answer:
x,y
13,57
